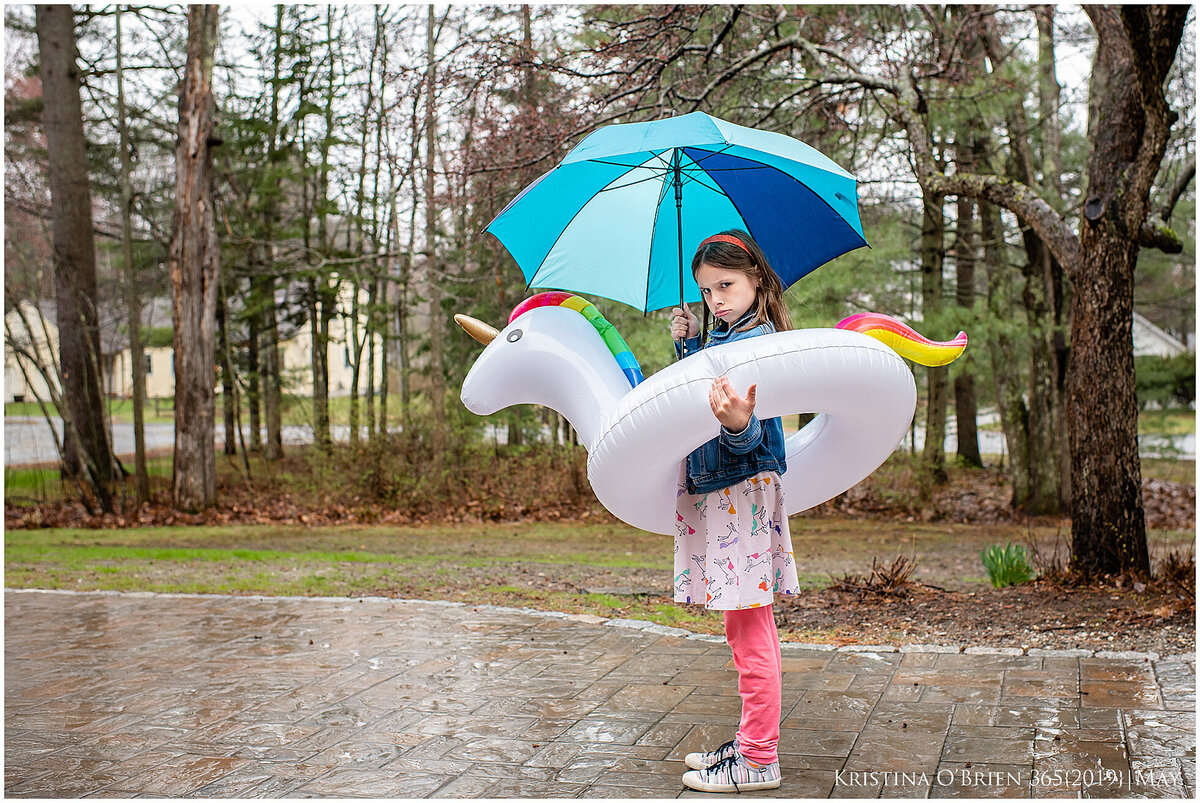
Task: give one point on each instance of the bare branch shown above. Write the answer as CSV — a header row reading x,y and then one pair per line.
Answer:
x,y
733,69
1155,234
1181,182
1020,199
1154,34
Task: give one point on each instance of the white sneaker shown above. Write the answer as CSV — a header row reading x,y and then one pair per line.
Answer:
x,y
700,761
733,774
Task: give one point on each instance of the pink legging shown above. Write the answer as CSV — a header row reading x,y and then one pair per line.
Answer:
x,y
754,640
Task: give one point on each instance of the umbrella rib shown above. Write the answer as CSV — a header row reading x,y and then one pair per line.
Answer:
x,y
710,153
738,169
619,164
653,155
630,184
706,186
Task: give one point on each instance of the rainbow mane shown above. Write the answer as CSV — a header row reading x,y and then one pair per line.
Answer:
x,y
608,333
904,340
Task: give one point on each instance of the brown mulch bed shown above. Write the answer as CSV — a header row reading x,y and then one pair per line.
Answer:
x,y
1038,614
1121,615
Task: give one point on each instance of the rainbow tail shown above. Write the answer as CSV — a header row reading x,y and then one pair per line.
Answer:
x,y
904,340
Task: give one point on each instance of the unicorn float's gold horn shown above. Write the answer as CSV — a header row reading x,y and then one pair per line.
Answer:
x,y
476,328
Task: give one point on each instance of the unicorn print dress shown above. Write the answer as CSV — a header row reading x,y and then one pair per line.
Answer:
x,y
733,549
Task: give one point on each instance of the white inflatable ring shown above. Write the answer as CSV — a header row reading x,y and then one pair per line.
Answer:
x,y
637,438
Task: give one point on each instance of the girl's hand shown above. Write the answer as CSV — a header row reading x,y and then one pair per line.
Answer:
x,y
684,324
730,409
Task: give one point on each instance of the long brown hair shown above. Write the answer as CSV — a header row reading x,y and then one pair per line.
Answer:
x,y
768,304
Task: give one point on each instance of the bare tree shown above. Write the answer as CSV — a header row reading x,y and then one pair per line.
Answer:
x,y
1129,124
137,357
86,445
437,394
194,263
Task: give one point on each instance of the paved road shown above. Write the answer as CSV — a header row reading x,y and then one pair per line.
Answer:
x,y
208,696
27,440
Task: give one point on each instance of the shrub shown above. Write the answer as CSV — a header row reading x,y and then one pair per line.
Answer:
x,y
1007,566
1178,570
1167,381
886,580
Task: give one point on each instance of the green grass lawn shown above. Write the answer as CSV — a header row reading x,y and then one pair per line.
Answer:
x,y
27,485
484,564
119,410
1169,469
1150,422
609,570
1167,422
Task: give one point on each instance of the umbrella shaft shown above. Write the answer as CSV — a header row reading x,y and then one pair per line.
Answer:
x,y
679,223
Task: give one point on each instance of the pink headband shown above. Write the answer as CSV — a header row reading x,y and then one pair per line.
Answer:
x,y
725,238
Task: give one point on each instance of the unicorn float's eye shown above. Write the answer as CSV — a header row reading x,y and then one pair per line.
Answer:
x,y
514,335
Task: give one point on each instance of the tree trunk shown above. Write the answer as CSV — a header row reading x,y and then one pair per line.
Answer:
x,y
326,296
933,253
271,380
86,442
360,200
253,372
133,304
1050,129
372,300
437,394
227,379
1014,417
318,349
194,262
402,299
965,407
381,235
1044,495
1108,525
354,353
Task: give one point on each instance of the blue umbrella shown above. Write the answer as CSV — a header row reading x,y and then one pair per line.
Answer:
x,y
616,216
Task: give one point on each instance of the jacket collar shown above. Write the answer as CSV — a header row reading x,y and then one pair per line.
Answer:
x,y
722,329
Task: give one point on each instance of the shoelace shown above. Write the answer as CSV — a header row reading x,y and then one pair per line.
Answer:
x,y
727,764
725,747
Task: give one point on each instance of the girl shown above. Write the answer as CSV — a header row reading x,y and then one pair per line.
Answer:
x,y
733,550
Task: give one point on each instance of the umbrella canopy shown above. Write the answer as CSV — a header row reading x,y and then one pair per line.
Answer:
x,y
616,217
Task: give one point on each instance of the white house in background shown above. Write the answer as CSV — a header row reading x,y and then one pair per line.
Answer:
x,y
42,342
160,373
295,353
1150,339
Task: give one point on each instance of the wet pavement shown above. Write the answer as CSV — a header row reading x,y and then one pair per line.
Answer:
x,y
117,695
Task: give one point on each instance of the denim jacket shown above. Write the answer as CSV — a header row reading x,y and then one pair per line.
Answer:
x,y
733,456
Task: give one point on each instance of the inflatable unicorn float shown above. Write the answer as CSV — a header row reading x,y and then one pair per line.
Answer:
x,y
558,351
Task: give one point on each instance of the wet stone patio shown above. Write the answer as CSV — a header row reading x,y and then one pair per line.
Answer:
x,y
120,695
